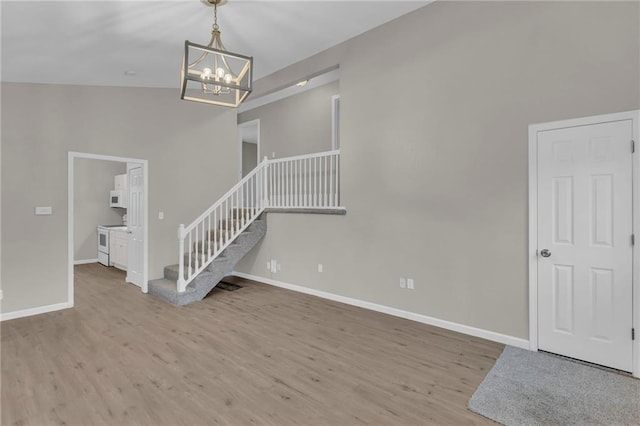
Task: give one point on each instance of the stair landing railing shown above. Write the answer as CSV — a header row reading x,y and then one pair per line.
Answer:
x,y
302,182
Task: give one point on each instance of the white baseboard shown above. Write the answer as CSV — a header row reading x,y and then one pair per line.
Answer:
x,y
35,311
460,328
84,261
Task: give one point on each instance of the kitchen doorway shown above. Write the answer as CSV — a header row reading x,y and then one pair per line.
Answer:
x,y
138,255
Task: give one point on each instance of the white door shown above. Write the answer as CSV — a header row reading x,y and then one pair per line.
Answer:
x,y
135,226
584,243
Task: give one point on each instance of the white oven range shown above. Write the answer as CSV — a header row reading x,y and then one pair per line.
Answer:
x,y
103,243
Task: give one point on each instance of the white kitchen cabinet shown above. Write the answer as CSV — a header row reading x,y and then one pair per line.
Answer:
x,y
120,183
118,254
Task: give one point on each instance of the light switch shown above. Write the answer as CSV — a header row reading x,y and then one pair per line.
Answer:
x,y
160,215
44,211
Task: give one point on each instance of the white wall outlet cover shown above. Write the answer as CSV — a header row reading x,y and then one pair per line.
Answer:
x,y
410,283
43,211
1,294
403,283
268,265
320,267
160,215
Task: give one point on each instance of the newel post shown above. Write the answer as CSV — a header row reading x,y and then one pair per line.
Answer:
x,y
181,283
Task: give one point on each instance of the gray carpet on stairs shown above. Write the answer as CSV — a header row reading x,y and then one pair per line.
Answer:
x,y
534,388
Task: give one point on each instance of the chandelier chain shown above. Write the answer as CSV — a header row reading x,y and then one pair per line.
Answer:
x,y
215,17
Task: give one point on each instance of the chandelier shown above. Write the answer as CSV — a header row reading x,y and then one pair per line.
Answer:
x,y
216,76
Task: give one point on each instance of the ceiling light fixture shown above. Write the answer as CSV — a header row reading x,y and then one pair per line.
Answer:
x,y
216,76
302,83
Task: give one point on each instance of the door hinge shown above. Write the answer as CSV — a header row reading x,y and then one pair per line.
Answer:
x,y
633,334
633,146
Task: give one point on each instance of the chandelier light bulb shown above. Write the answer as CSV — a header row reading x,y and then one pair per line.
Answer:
x,y
220,72
228,78
206,73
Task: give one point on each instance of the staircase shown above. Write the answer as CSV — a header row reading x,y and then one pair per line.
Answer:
x,y
166,288
210,246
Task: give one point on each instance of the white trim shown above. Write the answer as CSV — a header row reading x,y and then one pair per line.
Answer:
x,y
35,311
72,155
314,81
84,261
460,328
335,122
634,116
250,123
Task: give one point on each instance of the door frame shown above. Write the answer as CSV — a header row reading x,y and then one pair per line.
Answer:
x,y
70,215
241,126
335,122
634,116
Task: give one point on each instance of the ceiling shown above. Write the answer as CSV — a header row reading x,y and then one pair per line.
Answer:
x,y
95,42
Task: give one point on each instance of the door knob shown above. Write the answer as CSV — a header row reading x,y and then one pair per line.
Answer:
x,y
545,253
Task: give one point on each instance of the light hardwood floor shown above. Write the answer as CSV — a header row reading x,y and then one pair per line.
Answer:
x,y
259,355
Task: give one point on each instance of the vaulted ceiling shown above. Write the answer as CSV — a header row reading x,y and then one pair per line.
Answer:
x,y
96,42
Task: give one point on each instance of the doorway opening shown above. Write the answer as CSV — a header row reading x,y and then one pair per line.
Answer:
x,y
94,179
248,147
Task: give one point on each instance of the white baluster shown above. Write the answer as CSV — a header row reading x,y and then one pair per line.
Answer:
x,y
279,184
325,199
338,180
315,181
190,249
287,184
331,181
215,231
304,182
294,183
209,236
322,189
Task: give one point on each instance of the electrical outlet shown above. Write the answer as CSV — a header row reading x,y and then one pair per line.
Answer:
x,y
410,285
273,266
269,265
403,283
278,267
161,215
320,267
1,294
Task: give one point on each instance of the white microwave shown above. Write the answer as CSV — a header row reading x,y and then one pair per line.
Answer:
x,y
118,198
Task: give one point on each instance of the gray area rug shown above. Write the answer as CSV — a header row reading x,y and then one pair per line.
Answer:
x,y
534,388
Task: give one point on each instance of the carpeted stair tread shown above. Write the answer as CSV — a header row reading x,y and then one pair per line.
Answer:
x,y
166,290
208,278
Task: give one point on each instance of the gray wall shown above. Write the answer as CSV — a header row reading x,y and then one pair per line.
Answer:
x,y
42,123
93,179
296,125
434,167
249,157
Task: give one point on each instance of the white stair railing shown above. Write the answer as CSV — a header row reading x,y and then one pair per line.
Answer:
x,y
302,182
305,181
